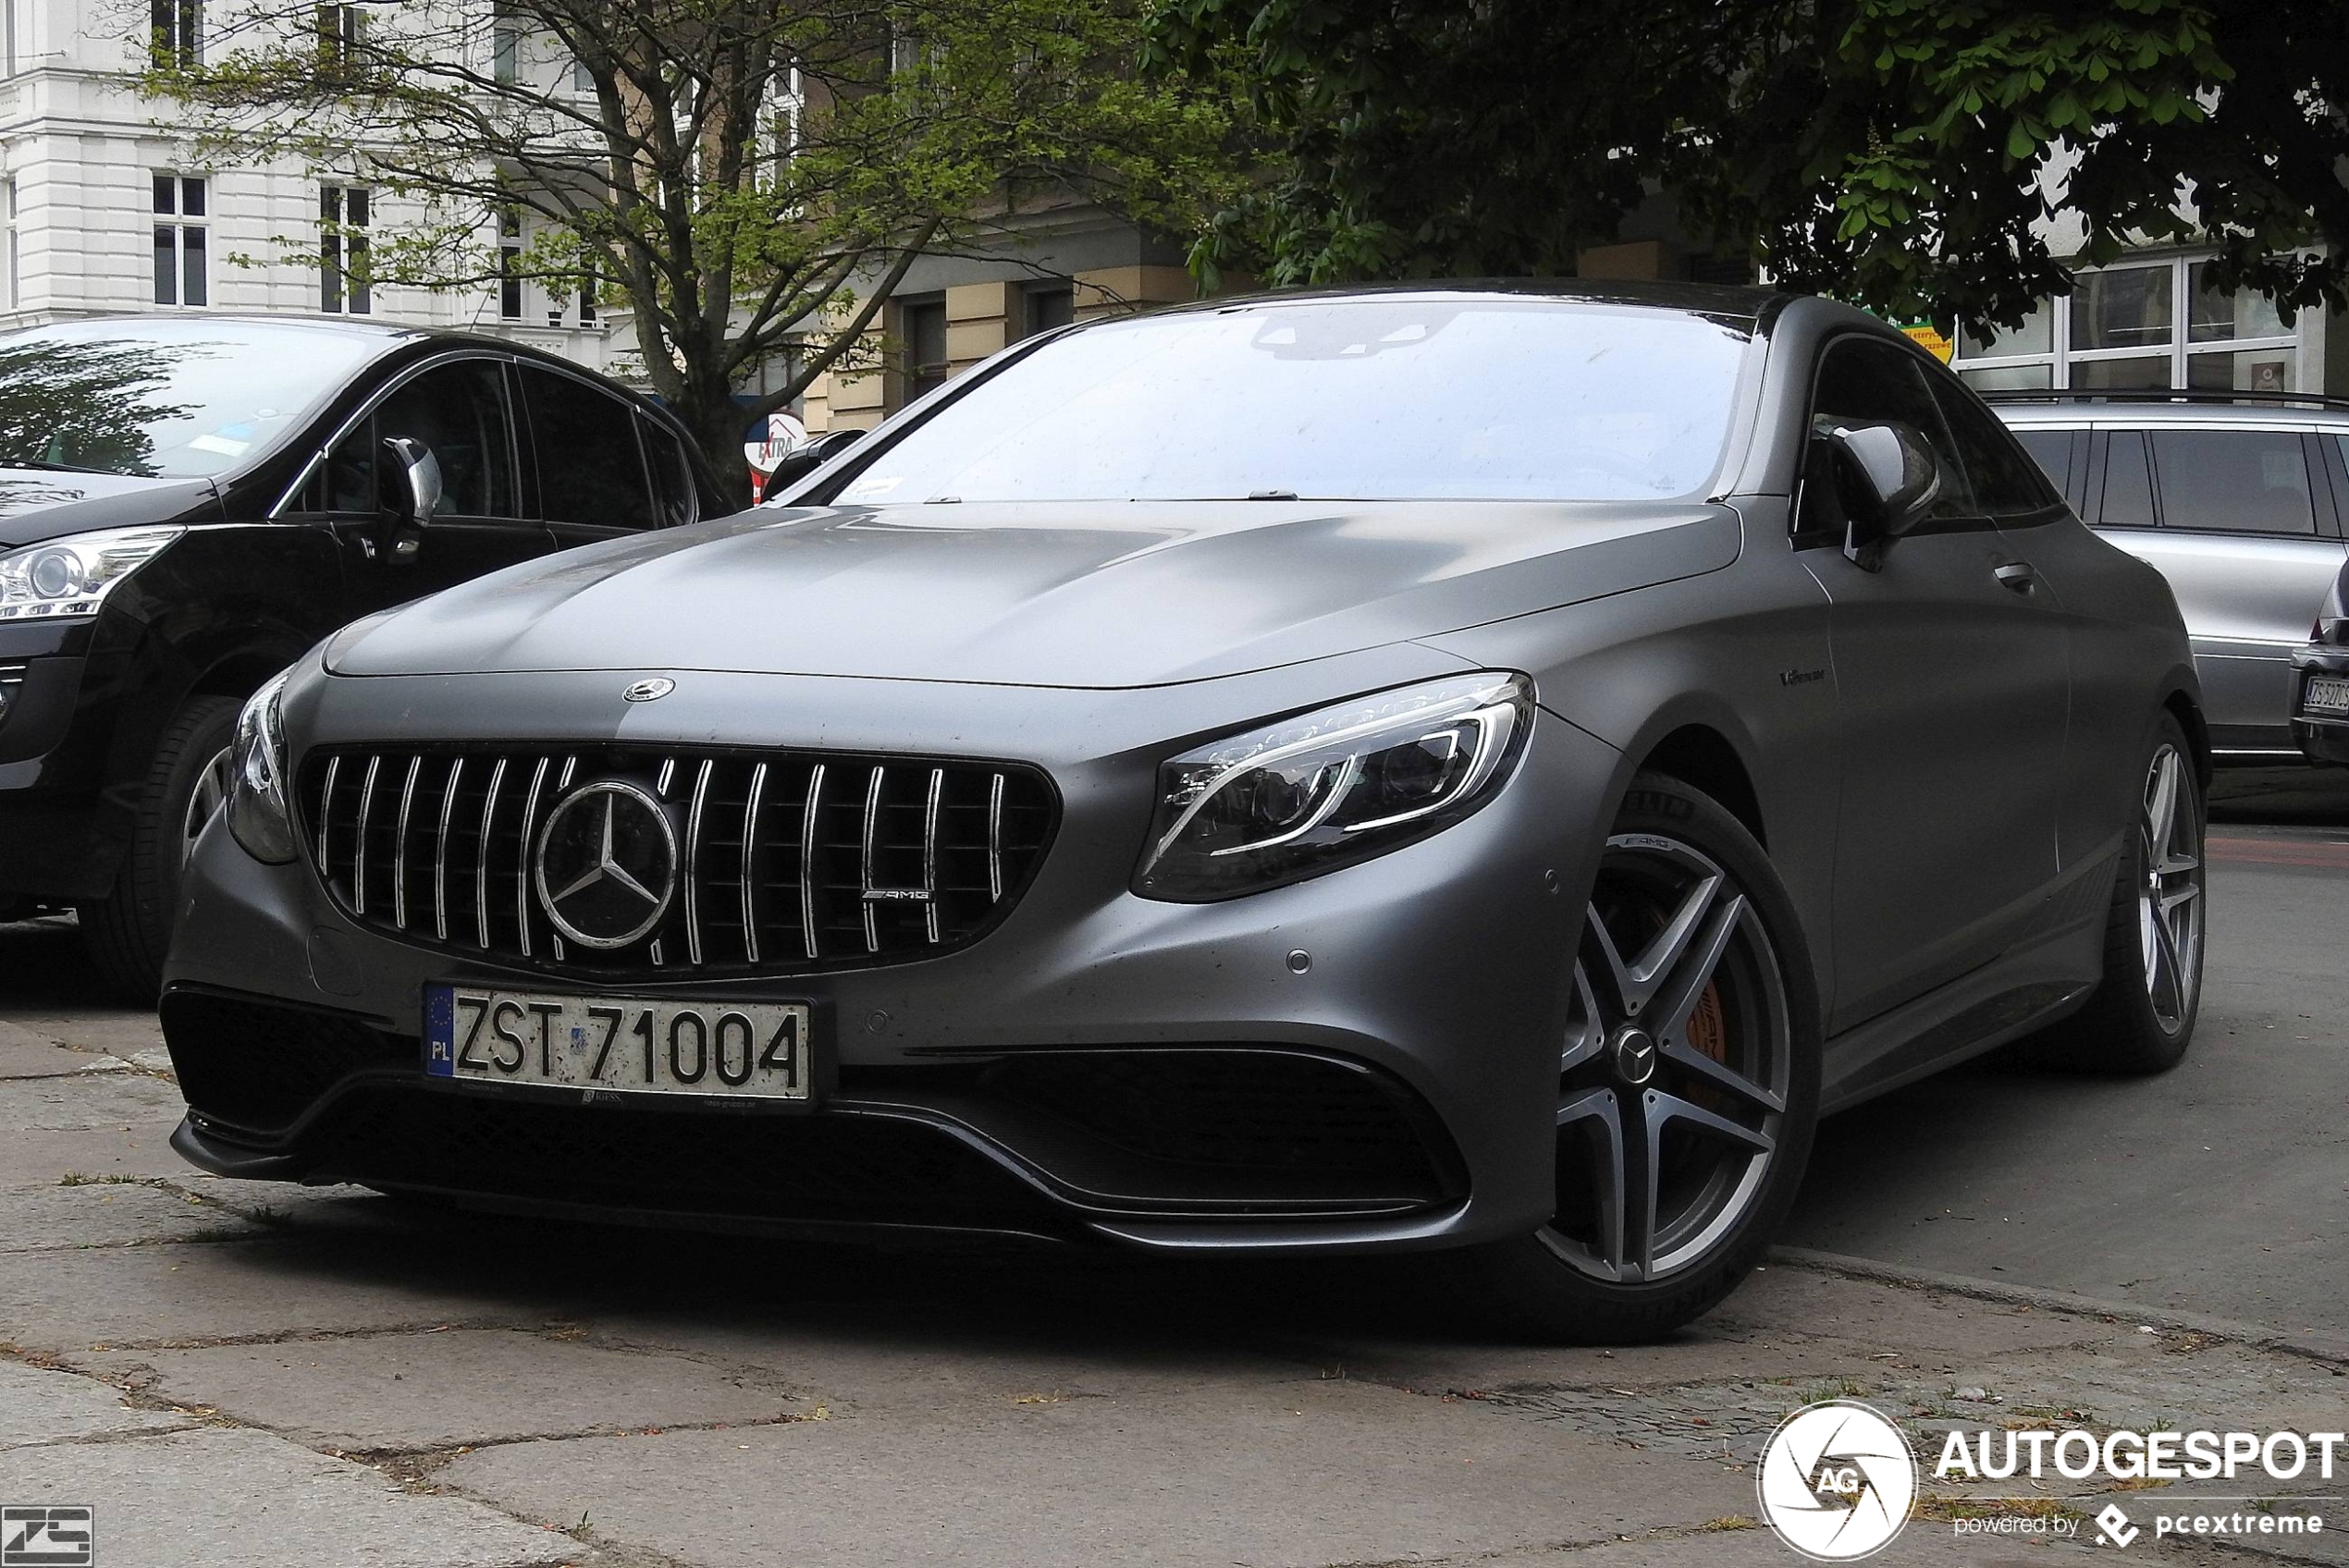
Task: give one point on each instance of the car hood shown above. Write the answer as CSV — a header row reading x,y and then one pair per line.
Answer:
x,y
37,504
1066,594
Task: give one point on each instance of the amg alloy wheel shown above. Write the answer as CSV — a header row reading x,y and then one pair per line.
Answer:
x,y
2141,1018
1688,1079
2170,889
1673,1083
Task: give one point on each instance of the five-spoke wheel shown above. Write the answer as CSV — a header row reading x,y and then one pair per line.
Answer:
x,y
1687,1079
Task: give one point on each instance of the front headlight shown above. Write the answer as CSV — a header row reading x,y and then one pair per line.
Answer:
x,y
68,578
258,814
1309,794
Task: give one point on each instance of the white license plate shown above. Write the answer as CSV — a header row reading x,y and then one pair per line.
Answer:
x,y
623,1045
2327,692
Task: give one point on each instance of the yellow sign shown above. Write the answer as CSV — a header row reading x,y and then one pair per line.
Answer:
x,y
1931,341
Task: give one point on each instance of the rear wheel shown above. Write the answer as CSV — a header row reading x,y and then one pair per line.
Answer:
x,y
129,932
2142,1017
1688,1081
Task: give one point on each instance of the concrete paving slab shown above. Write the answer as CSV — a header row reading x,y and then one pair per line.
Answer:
x,y
110,1214
287,1206
61,1300
34,1158
24,1054
1222,1473
408,1392
38,1405
245,1498
82,1103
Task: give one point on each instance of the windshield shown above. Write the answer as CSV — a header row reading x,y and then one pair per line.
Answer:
x,y
163,399
1398,398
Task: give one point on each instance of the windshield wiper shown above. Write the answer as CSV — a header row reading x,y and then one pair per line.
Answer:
x,y
38,466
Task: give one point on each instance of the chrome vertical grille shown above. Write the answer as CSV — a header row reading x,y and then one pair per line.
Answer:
x,y
787,861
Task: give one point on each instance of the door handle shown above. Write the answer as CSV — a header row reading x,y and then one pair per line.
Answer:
x,y
2018,575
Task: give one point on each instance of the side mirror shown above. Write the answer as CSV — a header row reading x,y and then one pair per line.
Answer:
x,y
805,459
409,495
1897,480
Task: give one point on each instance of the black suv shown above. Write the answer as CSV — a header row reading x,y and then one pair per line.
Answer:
x,y
187,503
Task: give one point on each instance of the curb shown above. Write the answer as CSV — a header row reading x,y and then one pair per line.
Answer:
x,y
2311,1346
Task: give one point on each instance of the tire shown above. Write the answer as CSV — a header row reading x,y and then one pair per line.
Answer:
x,y
128,932
2141,1018
1727,1086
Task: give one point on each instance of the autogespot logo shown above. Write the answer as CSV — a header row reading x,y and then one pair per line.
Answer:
x,y
1837,1480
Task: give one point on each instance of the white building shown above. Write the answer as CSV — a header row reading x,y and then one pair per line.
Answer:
x,y
105,211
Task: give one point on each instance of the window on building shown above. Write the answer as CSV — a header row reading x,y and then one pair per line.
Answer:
x,y
8,33
341,29
510,263
178,41
926,361
582,79
1047,306
2144,326
505,50
15,269
589,287
786,105
343,249
183,271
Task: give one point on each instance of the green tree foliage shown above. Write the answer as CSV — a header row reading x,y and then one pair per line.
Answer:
x,y
1915,155
745,178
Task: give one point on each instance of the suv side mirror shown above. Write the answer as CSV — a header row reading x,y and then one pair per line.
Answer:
x,y
807,459
1897,478
409,495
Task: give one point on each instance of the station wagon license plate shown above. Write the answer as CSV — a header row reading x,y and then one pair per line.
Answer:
x,y
2330,691
621,1045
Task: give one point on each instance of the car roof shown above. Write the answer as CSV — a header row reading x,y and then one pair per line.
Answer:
x,y
1727,301
2266,410
385,336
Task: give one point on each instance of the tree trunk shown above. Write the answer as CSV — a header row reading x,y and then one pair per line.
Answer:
x,y
717,424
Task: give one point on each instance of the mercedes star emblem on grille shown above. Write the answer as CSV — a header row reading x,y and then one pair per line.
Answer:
x,y
607,865
650,690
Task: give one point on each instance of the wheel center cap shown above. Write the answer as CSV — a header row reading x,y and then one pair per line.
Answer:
x,y
1634,1050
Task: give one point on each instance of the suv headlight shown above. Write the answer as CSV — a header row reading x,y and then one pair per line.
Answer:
x,y
1310,794
258,814
68,578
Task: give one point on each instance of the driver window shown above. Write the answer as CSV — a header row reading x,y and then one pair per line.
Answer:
x,y
1864,383
459,411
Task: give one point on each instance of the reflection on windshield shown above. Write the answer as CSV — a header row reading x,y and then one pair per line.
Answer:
x,y
1396,397
162,399
82,406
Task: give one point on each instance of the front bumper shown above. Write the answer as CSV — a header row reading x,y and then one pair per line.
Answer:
x,y
2322,737
1366,1058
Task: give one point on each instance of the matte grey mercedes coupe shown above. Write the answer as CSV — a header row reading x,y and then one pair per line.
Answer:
x,y
1468,769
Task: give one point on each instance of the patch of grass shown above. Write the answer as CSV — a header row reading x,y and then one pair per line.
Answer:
x,y
1840,1388
1729,1521
75,1178
1939,1506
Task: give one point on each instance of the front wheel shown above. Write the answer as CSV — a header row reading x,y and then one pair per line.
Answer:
x,y
1688,1081
128,934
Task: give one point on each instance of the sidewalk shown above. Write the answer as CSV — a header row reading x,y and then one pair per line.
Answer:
x,y
247,1374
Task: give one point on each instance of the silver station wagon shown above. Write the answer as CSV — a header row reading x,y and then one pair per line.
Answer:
x,y
2240,499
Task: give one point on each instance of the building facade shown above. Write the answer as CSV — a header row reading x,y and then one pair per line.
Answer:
x,y
106,211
